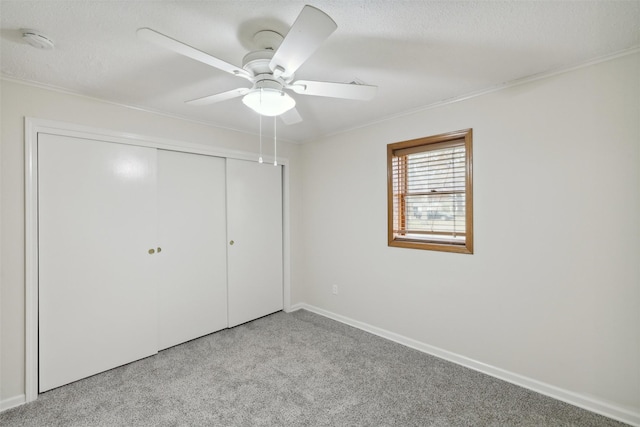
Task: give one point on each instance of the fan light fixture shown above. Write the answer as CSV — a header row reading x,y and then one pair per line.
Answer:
x,y
268,101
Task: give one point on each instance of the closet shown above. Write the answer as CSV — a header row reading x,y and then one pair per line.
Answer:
x,y
191,262
141,249
255,227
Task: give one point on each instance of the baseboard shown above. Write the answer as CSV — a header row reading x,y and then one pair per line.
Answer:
x,y
296,307
576,399
12,402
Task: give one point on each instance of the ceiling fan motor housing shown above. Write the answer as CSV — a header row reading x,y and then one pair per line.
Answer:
x,y
257,63
267,81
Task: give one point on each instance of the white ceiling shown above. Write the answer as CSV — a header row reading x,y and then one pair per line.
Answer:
x,y
417,52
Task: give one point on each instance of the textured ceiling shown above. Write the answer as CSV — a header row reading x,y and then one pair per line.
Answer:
x,y
417,52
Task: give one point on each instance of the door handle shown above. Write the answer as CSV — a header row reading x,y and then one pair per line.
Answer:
x,y
231,242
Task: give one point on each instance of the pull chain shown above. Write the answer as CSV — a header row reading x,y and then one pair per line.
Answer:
x,y
260,115
260,158
275,144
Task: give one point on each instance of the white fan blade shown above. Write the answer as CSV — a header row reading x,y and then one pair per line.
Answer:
x,y
183,49
308,32
334,90
291,117
218,97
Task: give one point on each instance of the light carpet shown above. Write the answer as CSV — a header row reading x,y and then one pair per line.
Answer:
x,y
297,369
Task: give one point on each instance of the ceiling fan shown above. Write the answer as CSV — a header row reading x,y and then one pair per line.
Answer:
x,y
271,69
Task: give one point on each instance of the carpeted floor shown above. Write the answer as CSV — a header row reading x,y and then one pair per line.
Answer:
x,y
296,369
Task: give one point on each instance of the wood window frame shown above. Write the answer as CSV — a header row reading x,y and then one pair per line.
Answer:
x,y
418,145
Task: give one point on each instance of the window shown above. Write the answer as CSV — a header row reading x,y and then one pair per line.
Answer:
x,y
430,198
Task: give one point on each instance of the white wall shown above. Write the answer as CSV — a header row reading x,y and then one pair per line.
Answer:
x,y
552,292
19,101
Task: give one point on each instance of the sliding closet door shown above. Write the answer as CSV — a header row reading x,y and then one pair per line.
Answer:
x,y
192,280
254,230
97,305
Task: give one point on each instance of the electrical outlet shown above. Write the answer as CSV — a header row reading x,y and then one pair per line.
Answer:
x,y
334,289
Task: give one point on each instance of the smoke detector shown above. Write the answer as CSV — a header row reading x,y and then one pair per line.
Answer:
x,y
37,39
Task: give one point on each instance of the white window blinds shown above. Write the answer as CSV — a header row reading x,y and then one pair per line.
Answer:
x,y
429,192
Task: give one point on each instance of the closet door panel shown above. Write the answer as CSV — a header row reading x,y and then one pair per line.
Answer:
x,y
254,223
97,305
192,283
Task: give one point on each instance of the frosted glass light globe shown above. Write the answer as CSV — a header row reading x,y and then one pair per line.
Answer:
x,y
268,102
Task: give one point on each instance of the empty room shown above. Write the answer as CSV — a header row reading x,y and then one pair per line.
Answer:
x,y
319,213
